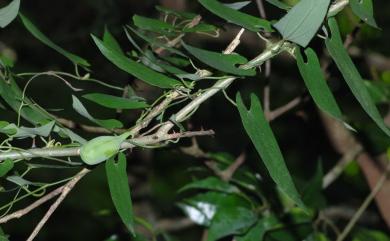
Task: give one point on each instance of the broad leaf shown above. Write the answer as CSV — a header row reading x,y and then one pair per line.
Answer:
x,y
316,84
119,189
242,19
9,13
115,102
351,75
258,231
79,107
302,22
260,133
138,70
41,37
364,10
211,183
223,62
5,167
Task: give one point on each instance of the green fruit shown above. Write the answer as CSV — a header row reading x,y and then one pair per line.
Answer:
x,y
101,148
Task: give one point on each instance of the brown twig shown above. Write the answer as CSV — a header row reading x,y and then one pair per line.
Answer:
x,y
234,43
65,191
227,174
20,213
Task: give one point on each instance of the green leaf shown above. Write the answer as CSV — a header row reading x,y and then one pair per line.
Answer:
x,y
152,24
211,183
223,62
242,19
79,107
260,133
279,4
302,22
180,14
41,37
22,131
300,231
364,10
5,167
316,84
351,75
115,102
110,41
258,231
118,184
312,194
9,13
230,219
3,236
138,70
101,148
364,234
237,5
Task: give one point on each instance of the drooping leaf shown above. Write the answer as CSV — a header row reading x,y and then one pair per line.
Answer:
x,y
364,10
9,13
210,183
152,24
223,62
138,70
351,75
101,148
110,41
259,131
5,167
316,84
258,231
44,39
115,102
119,189
302,22
79,107
279,4
242,19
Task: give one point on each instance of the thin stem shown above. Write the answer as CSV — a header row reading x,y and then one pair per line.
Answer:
x,y
364,205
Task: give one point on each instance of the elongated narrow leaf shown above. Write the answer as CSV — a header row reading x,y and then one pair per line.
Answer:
x,y
119,189
302,22
79,107
138,70
237,5
259,131
364,10
41,37
316,84
242,19
152,24
223,62
9,13
351,75
115,102
211,183
5,167
111,42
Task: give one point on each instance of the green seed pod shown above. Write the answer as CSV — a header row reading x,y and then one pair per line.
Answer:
x,y
101,148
